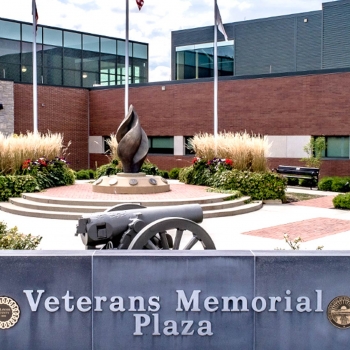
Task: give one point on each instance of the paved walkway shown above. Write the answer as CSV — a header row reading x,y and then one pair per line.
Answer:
x,y
315,221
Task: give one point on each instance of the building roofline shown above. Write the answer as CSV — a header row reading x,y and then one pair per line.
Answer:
x,y
71,30
301,14
228,78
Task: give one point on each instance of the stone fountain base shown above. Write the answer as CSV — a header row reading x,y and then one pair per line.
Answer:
x,y
129,183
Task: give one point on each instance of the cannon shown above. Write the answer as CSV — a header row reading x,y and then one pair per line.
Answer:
x,y
133,226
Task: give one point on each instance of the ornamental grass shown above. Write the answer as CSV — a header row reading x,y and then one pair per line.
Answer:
x,y
246,151
15,149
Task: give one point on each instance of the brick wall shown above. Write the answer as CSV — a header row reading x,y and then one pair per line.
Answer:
x,y
60,110
295,105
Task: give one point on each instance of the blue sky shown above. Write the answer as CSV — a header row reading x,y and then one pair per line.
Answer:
x,y
154,23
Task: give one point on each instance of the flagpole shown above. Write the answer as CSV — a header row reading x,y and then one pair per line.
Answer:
x,y
35,82
215,71
126,107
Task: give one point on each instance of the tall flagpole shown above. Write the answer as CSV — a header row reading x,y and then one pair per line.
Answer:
x,y
215,71
127,59
35,82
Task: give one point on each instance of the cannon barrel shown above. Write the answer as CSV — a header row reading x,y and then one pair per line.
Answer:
x,y
100,228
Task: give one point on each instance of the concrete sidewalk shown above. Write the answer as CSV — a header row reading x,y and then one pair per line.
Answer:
x,y
260,230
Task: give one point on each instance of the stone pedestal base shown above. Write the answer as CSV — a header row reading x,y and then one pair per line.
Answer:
x,y
128,183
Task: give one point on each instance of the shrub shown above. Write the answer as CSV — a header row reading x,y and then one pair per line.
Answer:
x,y
106,170
340,184
325,184
314,150
14,186
174,173
266,185
12,239
256,185
82,175
342,201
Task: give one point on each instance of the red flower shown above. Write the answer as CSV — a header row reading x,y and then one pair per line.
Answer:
x,y
229,162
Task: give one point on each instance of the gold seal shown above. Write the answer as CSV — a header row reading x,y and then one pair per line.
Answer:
x,y
9,312
338,312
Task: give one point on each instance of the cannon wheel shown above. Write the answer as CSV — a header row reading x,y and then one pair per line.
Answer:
x,y
157,230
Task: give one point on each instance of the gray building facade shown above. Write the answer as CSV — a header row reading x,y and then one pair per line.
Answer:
x,y
292,43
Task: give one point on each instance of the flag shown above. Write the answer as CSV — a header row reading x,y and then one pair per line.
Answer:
x,y
139,3
219,21
35,15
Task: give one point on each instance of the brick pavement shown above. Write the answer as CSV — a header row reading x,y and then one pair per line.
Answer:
x,y
307,229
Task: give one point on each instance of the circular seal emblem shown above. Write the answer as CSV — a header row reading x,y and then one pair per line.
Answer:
x,y
164,180
152,181
133,182
338,312
9,312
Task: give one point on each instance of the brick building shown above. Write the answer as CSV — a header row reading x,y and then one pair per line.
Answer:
x,y
287,104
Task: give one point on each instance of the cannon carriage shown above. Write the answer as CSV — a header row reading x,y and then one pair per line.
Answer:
x,y
133,226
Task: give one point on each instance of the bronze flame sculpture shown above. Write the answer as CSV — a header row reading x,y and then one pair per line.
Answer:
x,y
132,143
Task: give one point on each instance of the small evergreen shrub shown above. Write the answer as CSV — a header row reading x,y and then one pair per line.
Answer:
x,y
174,173
342,201
12,239
340,184
85,174
325,184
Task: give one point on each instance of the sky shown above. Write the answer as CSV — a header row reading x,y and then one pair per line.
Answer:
x,y
154,23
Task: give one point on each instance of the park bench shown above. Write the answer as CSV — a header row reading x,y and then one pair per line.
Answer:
x,y
300,173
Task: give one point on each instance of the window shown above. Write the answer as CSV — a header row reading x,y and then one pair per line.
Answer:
x,y
337,147
161,144
188,149
197,61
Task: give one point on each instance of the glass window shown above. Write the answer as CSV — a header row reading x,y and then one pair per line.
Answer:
x,y
72,40
91,61
52,56
72,78
27,33
121,48
10,71
52,37
197,61
10,30
109,46
140,51
161,144
337,146
10,51
90,79
72,59
188,148
91,43
52,76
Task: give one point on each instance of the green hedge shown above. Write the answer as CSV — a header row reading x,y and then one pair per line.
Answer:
x,y
335,184
85,174
15,185
256,185
342,201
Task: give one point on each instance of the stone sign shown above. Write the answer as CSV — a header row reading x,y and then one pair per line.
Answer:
x,y
175,300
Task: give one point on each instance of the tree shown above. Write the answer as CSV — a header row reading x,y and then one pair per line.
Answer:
x,y
314,150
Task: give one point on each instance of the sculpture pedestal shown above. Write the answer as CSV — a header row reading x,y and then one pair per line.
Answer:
x,y
129,183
